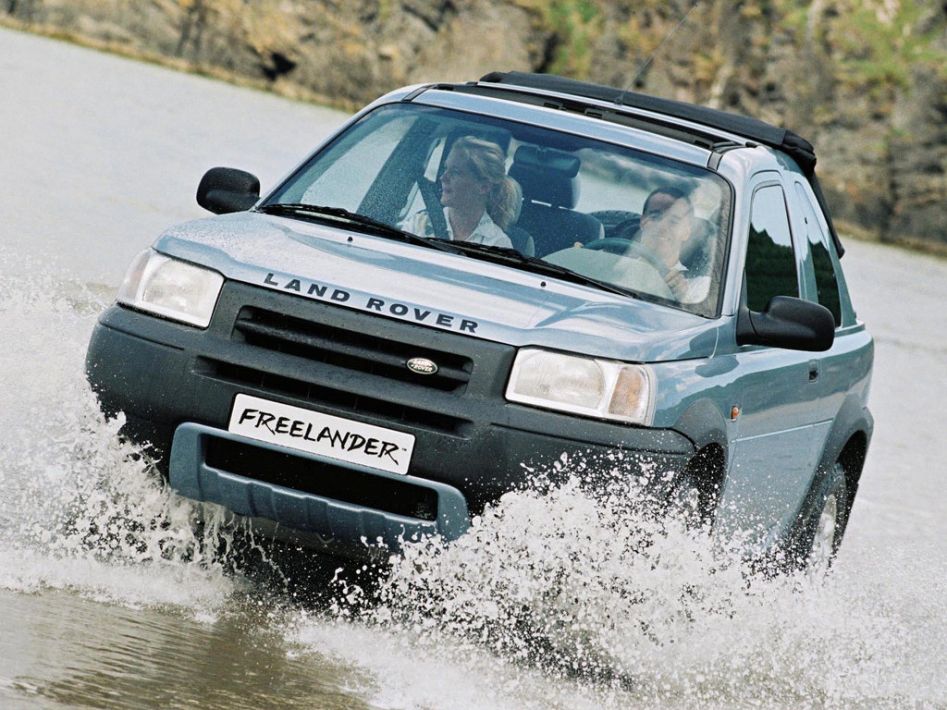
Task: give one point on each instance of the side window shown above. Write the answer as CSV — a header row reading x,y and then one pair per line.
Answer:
x,y
770,263
826,281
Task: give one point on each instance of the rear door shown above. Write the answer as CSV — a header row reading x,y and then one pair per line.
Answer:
x,y
843,370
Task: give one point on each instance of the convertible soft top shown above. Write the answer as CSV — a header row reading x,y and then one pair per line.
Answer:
x,y
781,139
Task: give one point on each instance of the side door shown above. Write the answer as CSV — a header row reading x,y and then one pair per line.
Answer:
x,y
843,371
776,433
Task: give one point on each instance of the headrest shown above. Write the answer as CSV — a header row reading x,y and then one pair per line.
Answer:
x,y
548,159
546,175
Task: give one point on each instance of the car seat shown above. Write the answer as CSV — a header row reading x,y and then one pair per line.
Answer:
x,y
550,192
522,241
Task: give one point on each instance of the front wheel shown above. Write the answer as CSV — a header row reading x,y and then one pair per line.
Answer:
x,y
694,494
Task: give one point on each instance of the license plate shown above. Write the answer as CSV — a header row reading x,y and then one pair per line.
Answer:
x,y
317,433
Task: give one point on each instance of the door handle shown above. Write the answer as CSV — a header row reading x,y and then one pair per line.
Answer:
x,y
813,370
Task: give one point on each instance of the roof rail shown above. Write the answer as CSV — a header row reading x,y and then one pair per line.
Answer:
x,y
751,128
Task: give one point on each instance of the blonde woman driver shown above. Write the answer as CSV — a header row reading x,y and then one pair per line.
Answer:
x,y
480,201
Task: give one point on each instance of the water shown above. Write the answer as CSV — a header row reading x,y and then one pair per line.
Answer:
x,y
112,596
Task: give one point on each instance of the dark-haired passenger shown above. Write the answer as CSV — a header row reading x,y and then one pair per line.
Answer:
x,y
667,225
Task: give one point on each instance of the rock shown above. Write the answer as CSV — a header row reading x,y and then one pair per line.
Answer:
x,y
919,163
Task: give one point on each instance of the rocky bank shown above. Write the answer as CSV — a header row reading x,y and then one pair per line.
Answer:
x,y
865,80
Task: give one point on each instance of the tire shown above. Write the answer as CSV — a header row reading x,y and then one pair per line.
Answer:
x,y
821,533
694,495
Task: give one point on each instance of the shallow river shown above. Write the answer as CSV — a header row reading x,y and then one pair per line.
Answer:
x,y
111,596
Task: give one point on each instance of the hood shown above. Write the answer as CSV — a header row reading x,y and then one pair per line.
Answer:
x,y
437,289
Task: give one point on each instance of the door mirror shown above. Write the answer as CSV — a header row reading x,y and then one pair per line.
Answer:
x,y
787,322
224,190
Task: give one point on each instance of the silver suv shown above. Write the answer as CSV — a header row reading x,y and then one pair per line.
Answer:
x,y
469,277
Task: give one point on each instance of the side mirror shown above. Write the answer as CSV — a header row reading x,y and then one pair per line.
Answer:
x,y
789,323
224,190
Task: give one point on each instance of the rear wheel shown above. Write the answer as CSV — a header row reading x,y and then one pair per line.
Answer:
x,y
823,531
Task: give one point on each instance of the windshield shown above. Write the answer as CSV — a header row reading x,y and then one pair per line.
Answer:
x,y
642,223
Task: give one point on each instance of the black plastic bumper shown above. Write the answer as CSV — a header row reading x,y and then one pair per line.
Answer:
x,y
162,374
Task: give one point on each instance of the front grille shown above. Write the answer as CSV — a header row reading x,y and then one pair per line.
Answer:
x,y
349,363
321,479
349,349
341,401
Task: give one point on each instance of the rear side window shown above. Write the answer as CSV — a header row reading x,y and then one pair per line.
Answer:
x,y
826,281
770,263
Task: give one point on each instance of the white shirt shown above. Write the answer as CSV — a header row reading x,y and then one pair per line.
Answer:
x,y
486,232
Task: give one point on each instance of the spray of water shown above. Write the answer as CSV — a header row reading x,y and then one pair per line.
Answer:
x,y
562,594
604,592
83,510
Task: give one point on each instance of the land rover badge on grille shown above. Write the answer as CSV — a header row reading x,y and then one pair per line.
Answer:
x,y
422,366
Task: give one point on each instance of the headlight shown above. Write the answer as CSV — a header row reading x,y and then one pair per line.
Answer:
x,y
580,385
171,288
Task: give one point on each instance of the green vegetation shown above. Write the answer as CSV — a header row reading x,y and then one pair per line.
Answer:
x,y
869,43
874,44
574,26
883,49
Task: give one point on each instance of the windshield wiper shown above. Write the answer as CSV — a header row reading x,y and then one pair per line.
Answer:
x,y
502,255
376,226
516,259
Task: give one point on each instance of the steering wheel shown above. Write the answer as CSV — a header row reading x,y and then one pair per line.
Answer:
x,y
626,247
633,250
619,224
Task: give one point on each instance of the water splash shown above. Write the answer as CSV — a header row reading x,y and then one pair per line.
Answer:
x,y
557,597
82,510
611,594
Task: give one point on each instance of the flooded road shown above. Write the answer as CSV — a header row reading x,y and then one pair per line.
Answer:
x,y
111,596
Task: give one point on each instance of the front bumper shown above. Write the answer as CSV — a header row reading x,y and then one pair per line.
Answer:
x,y
177,384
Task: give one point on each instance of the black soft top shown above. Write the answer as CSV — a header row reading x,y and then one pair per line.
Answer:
x,y
781,139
